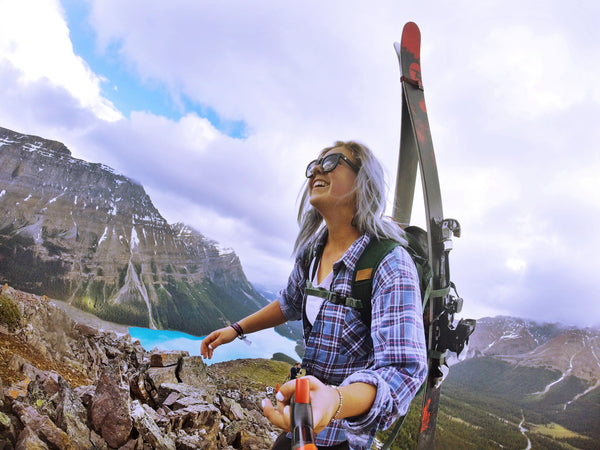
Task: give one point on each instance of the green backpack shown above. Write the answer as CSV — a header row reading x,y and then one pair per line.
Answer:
x,y
366,266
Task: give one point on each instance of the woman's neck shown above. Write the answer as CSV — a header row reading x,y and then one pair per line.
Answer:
x,y
340,237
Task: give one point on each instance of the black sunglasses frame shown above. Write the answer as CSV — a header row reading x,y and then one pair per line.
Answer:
x,y
336,160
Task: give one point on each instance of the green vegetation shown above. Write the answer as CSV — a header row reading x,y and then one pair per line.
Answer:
x,y
127,314
484,400
20,266
10,316
188,308
407,437
284,358
460,423
255,374
553,430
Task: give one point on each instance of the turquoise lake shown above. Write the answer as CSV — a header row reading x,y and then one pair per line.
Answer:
x,y
262,344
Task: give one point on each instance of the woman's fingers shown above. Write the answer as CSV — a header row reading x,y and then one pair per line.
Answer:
x,y
209,343
285,391
206,348
280,416
216,338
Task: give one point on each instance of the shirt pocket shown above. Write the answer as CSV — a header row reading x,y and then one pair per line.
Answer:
x,y
355,338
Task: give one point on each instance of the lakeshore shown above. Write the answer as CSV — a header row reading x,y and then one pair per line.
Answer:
x,y
262,344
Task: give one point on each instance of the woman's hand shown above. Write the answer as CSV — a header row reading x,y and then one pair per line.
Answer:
x,y
324,400
216,338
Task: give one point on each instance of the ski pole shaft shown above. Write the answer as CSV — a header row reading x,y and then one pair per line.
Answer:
x,y
302,419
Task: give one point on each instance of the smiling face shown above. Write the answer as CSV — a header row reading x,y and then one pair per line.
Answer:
x,y
334,191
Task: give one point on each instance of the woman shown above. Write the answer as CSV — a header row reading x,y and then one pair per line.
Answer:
x,y
363,376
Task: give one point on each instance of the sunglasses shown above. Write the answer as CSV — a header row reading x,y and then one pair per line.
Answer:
x,y
328,163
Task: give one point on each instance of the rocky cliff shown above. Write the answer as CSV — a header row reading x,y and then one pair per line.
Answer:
x,y
66,385
80,232
567,350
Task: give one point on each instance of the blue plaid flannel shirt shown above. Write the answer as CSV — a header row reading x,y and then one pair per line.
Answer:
x,y
340,350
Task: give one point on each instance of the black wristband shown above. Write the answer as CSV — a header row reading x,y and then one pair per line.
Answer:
x,y
238,329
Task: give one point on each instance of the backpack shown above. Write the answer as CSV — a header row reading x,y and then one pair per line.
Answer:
x,y
366,266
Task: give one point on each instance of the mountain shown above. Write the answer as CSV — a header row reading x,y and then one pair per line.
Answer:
x,y
552,346
509,335
78,231
529,381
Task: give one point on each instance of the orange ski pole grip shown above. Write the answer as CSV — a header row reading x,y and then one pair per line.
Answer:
x,y
303,437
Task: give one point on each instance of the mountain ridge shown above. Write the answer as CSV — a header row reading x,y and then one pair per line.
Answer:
x,y
80,232
525,342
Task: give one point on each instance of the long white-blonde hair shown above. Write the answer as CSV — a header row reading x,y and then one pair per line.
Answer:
x,y
370,190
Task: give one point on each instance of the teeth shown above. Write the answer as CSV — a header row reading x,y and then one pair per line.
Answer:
x,y
319,184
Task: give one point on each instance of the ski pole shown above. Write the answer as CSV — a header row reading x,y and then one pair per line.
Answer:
x,y
302,419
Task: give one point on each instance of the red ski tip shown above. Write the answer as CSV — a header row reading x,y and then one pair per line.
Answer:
x,y
411,39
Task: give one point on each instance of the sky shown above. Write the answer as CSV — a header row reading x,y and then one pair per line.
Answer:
x,y
217,107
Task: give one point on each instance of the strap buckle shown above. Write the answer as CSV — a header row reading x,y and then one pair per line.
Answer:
x,y
332,297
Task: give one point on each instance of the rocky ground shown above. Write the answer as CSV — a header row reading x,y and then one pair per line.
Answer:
x,y
70,384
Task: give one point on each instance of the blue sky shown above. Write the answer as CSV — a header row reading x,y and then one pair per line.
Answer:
x,y
125,88
216,107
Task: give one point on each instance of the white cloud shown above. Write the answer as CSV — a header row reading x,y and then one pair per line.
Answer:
x,y
517,264
34,38
529,72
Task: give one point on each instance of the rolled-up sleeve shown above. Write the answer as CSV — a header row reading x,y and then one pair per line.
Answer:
x,y
290,297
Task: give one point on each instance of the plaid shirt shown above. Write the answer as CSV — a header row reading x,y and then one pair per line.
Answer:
x,y
340,349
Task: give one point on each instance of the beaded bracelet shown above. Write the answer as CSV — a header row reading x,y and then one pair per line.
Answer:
x,y
238,329
341,402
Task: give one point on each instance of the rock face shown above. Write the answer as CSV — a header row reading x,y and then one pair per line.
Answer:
x,y
103,391
551,346
79,232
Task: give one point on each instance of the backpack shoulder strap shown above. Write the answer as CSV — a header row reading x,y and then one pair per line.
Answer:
x,y
308,255
362,279
366,266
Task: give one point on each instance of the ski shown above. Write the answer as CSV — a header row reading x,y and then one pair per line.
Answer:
x,y
416,151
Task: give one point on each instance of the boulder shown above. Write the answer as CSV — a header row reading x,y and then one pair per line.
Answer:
x,y
166,358
161,375
29,440
42,426
71,416
232,409
148,429
110,407
193,371
197,417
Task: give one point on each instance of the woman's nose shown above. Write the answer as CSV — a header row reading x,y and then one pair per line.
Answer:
x,y
317,167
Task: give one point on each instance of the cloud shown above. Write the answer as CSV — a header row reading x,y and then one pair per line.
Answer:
x,y
531,76
34,38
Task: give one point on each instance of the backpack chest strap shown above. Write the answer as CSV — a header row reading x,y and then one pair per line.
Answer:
x,y
333,297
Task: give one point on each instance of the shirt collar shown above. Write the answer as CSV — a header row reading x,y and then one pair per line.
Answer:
x,y
351,255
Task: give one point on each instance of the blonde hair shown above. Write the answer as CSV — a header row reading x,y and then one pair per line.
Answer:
x,y
370,190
